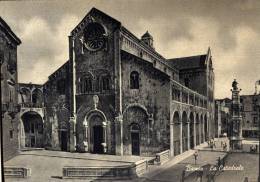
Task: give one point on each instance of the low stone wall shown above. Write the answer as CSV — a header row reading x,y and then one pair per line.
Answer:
x,y
16,172
106,172
162,157
140,167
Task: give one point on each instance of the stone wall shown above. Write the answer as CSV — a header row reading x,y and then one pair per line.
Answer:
x,y
57,97
10,121
153,97
95,65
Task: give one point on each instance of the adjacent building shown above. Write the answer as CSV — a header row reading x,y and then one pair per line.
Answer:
x,y
249,111
250,114
9,43
222,116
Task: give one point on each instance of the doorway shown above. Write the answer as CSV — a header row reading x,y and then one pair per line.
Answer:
x,y
135,139
64,139
98,139
135,143
32,130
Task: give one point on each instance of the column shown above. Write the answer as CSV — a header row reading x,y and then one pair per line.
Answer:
x,y
188,134
104,143
203,130
199,123
171,140
194,130
72,146
86,142
119,134
180,136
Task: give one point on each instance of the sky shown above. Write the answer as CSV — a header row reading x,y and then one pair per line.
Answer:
x,y
180,28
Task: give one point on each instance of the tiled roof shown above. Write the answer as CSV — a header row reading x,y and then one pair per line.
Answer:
x,y
188,62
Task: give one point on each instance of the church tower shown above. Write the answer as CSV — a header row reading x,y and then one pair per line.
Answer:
x,y
147,39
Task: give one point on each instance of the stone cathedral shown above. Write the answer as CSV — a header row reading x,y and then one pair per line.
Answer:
x,y
117,95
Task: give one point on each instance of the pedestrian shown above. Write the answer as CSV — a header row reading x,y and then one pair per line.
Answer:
x,y
219,162
195,156
256,148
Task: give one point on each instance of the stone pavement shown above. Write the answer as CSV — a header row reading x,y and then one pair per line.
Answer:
x,y
47,165
173,172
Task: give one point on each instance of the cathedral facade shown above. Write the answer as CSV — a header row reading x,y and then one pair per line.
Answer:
x,y
117,95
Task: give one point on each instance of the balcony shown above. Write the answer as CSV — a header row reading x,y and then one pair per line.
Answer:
x,y
185,95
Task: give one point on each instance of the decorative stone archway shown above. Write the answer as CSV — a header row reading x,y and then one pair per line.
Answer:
x,y
136,116
31,130
95,132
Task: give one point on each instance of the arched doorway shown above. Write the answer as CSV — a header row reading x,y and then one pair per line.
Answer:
x,y
191,131
97,133
33,130
135,139
136,131
176,133
184,132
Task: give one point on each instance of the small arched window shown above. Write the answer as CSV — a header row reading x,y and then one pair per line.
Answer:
x,y
105,85
134,80
86,84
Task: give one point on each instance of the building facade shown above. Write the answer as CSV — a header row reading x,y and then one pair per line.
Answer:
x,y
249,111
116,94
250,114
123,97
9,95
222,116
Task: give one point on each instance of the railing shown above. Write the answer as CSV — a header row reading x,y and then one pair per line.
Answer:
x,y
17,172
162,157
106,172
185,95
31,105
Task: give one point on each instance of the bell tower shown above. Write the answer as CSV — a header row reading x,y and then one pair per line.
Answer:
x,y
147,39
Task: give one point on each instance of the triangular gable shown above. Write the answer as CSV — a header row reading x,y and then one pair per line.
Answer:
x,y
91,17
